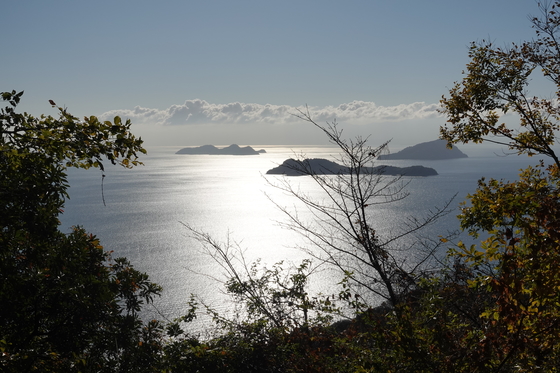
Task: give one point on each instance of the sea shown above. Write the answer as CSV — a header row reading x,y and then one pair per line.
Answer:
x,y
142,213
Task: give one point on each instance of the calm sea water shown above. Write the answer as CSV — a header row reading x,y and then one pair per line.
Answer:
x,y
229,197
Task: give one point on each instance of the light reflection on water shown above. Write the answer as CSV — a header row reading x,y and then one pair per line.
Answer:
x,y
225,195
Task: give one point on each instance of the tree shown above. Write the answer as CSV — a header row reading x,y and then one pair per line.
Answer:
x,y
293,326
378,265
520,218
496,84
66,305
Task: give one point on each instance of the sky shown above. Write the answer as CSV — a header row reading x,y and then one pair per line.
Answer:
x,y
218,72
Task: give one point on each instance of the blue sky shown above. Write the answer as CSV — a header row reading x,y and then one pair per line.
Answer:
x,y
220,72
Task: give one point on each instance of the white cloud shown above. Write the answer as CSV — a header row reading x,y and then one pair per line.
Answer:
x,y
370,112
202,112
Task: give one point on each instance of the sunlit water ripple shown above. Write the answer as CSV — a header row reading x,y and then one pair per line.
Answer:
x,y
228,196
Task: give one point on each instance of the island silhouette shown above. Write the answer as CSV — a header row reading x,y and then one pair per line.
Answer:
x,y
233,149
319,166
431,150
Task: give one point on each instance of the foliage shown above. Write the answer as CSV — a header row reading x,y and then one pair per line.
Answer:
x,y
274,324
522,252
276,296
520,256
497,82
66,305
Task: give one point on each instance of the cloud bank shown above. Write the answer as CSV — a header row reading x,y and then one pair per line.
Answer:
x,y
202,112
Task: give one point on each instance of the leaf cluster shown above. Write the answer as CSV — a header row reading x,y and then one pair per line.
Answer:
x,y
67,139
66,304
496,83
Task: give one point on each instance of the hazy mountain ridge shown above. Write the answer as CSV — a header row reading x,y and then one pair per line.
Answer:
x,y
233,149
431,150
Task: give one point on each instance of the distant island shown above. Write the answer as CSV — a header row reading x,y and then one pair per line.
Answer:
x,y
230,150
431,150
319,166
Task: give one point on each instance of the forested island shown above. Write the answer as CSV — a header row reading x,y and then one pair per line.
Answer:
x,y
233,149
431,150
318,166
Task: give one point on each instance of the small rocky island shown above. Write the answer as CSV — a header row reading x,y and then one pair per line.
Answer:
x,y
431,150
233,149
319,166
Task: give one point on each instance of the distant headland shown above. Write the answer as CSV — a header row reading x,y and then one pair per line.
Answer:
x,y
431,150
318,166
233,149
